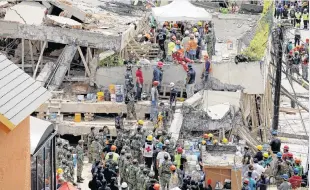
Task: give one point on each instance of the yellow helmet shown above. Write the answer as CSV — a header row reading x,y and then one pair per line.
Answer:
x,y
266,155
149,138
210,135
140,122
259,147
59,171
203,142
195,30
225,141
199,23
215,141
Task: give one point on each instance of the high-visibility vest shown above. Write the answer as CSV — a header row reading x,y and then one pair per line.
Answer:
x,y
305,16
298,15
177,158
115,156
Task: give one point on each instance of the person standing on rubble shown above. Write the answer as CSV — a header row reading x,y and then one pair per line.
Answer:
x,y
154,101
148,150
96,149
161,38
130,99
90,139
139,83
206,71
173,96
190,81
164,171
80,160
158,74
185,41
275,143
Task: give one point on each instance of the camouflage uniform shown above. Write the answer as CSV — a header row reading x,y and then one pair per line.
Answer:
x,y
140,177
66,171
130,98
136,145
121,161
59,154
96,150
282,168
209,41
70,167
165,174
79,159
90,139
133,175
150,181
126,165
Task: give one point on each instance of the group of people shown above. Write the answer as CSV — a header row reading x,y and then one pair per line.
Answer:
x,y
297,11
272,164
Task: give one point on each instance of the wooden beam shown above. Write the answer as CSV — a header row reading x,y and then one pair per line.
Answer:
x,y
40,58
89,53
23,53
31,54
84,62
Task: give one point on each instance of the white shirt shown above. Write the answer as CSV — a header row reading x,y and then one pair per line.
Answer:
x,y
161,155
258,168
255,175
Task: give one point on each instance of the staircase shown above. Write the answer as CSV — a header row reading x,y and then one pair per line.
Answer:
x,y
61,67
149,50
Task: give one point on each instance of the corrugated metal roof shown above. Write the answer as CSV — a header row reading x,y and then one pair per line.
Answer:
x,y
20,95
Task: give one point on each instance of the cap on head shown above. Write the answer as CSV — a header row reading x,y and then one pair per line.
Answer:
x,y
155,83
172,84
160,64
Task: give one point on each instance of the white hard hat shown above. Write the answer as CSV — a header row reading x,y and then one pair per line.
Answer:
x,y
167,141
186,32
171,84
196,34
124,185
197,167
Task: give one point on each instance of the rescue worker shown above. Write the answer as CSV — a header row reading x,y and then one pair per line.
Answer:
x,y
126,165
266,160
128,72
119,121
164,172
124,186
148,151
299,167
70,167
130,99
305,66
66,170
292,16
177,158
192,47
59,153
298,15
158,74
210,139
101,137
184,43
295,180
121,161
108,173
174,179
115,156
285,185
154,101
80,160
286,149
90,139
135,146
151,181
109,160
275,143
305,18
133,172
209,42
96,149
173,96
139,83
190,81
161,38
246,160
171,48
224,141
206,71
259,154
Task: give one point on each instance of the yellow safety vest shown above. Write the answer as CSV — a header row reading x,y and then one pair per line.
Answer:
x,y
298,15
115,156
177,158
305,17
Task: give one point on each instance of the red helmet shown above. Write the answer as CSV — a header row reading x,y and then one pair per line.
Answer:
x,y
155,83
285,155
179,150
160,64
290,155
246,181
286,147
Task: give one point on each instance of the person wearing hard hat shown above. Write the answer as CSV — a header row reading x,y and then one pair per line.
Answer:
x,y
295,180
286,149
148,150
173,96
305,18
178,158
200,28
210,139
259,154
224,141
80,160
190,81
124,186
266,160
184,43
158,74
285,185
171,48
299,167
154,101
192,47
275,143
115,156
174,179
160,39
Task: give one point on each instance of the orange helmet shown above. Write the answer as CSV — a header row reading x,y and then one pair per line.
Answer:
x,y
173,168
113,147
156,186
155,83
205,136
297,160
175,25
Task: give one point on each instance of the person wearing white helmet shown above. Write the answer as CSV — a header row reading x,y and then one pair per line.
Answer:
x,y
173,95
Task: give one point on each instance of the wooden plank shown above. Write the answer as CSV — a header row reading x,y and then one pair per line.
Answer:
x,y
84,62
39,60
31,54
23,53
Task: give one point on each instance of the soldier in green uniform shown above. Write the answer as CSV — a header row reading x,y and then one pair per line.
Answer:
x,y
96,149
80,159
133,172
121,161
164,172
90,139
126,165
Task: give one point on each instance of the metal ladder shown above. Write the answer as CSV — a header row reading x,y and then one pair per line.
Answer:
x,y
55,103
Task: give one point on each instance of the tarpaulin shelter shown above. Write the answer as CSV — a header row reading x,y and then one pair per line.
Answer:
x,y
180,10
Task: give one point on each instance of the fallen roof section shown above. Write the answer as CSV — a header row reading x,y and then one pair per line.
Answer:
x,y
20,95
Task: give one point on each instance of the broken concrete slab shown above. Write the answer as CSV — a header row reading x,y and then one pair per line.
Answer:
x,y
211,98
218,111
62,22
65,5
4,4
21,13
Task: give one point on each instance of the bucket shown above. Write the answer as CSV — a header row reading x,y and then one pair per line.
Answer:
x,y
119,89
112,89
113,98
119,98
100,96
77,117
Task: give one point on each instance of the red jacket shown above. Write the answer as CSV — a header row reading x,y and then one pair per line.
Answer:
x,y
139,76
295,181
